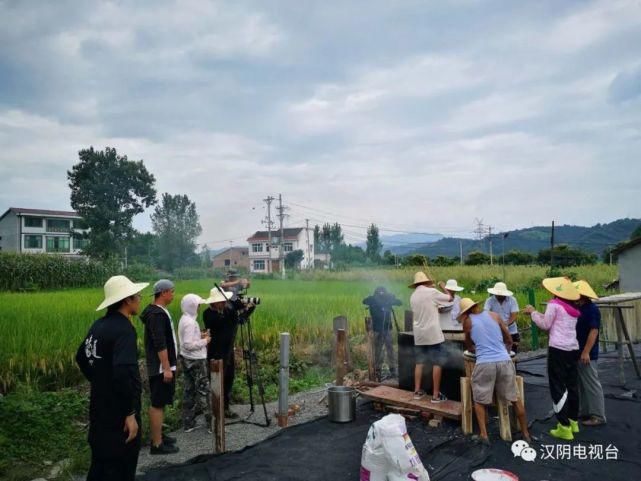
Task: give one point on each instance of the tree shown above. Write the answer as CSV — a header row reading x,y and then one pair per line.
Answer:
x,y
336,238
414,260
444,261
565,256
374,245
107,191
293,259
142,248
322,239
175,222
476,258
636,233
205,257
519,258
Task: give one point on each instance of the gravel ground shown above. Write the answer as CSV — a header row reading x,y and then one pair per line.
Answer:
x,y
237,436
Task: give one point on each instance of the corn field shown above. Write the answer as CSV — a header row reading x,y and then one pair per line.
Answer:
x,y
41,330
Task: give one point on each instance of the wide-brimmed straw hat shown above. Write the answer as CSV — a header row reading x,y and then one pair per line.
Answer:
x,y
500,289
466,304
118,288
561,287
215,295
421,278
585,289
452,285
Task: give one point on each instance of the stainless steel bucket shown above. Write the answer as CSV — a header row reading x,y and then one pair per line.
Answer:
x,y
342,404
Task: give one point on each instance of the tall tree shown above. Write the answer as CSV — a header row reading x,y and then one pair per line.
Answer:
x,y
175,222
205,256
374,244
336,238
142,248
108,190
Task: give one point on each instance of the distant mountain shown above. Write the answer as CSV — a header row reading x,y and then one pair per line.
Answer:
x,y
402,244
592,239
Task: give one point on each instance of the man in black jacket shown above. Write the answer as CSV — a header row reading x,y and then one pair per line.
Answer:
x,y
108,358
160,350
380,306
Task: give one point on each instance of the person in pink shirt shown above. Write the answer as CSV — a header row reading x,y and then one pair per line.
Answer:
x,y
563,353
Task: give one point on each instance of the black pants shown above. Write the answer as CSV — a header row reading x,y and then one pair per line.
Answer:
x,y
229,373
563,378
112,458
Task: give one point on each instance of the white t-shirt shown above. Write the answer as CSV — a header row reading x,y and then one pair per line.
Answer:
x,y
504,310
173,333
427,328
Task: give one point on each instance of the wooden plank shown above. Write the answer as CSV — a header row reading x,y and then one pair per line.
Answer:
x,y
409,321
217,404
466,401
371,371
626,335
341,322
341,360
520,390
503,409
399,397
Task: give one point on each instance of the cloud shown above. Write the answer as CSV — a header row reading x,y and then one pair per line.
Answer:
x,y
422,116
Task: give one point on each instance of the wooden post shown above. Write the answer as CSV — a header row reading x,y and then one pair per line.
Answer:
x,y
409,321
217,404
466,408
341,359
520,392
341,322
371,371
502,407
283,381
618,312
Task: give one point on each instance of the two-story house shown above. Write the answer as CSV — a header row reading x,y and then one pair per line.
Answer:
x,y
260,252
32,231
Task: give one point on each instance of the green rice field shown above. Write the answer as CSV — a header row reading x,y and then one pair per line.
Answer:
x,y
41,330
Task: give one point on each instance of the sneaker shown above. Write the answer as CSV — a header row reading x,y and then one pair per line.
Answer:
x,y
229,414
419,394
439,399
593,421
562,432
574,425
163,449
166,439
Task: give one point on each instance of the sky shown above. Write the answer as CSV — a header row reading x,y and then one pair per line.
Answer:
x,y
418,116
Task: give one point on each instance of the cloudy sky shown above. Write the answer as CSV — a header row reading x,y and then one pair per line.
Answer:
x,y
419,116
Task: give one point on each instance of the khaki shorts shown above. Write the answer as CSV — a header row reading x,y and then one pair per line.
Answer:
x,y
488,375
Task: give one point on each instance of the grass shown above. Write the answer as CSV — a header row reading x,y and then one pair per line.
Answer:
x,y
41,330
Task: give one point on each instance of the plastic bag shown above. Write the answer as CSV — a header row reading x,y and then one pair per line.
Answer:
x,y
389,454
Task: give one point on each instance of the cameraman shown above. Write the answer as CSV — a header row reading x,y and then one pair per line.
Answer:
x,y
222,318
380,307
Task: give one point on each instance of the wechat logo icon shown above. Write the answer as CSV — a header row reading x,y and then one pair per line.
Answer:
x,y
523,450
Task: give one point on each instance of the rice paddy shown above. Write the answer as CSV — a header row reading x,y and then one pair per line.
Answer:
x,y
41,330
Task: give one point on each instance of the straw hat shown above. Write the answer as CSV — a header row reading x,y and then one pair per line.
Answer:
x,y
466,304
585,289
216,296
500,289
421,278
452,285
118,288
561,287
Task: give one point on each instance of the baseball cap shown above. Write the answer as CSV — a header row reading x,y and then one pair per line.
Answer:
x,y
163,285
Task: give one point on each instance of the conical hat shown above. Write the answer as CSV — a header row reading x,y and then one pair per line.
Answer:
x,y
561,287
215,295
585,289
466,304
420,278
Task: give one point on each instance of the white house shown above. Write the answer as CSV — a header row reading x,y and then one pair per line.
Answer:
x,y
630,265
32,231
294,238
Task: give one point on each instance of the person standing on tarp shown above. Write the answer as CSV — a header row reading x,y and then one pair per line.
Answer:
x,y
160,350
563,353
108,358
591,402
380,306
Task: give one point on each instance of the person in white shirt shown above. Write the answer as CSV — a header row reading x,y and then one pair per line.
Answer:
x,y
503,303
193,358
453,288
428,336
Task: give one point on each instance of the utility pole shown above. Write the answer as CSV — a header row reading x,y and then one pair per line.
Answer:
x,y
269,223
281,217
480,231
310,257
552,248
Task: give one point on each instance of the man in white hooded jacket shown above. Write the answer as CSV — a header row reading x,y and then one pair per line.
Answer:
x,y
193,357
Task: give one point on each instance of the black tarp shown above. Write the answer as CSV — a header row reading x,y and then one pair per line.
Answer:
x,y
320,450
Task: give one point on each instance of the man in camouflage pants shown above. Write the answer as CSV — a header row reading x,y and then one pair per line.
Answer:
x,y
380,306
193,358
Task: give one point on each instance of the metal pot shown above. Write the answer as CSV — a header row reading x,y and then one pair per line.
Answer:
x,y
342,404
